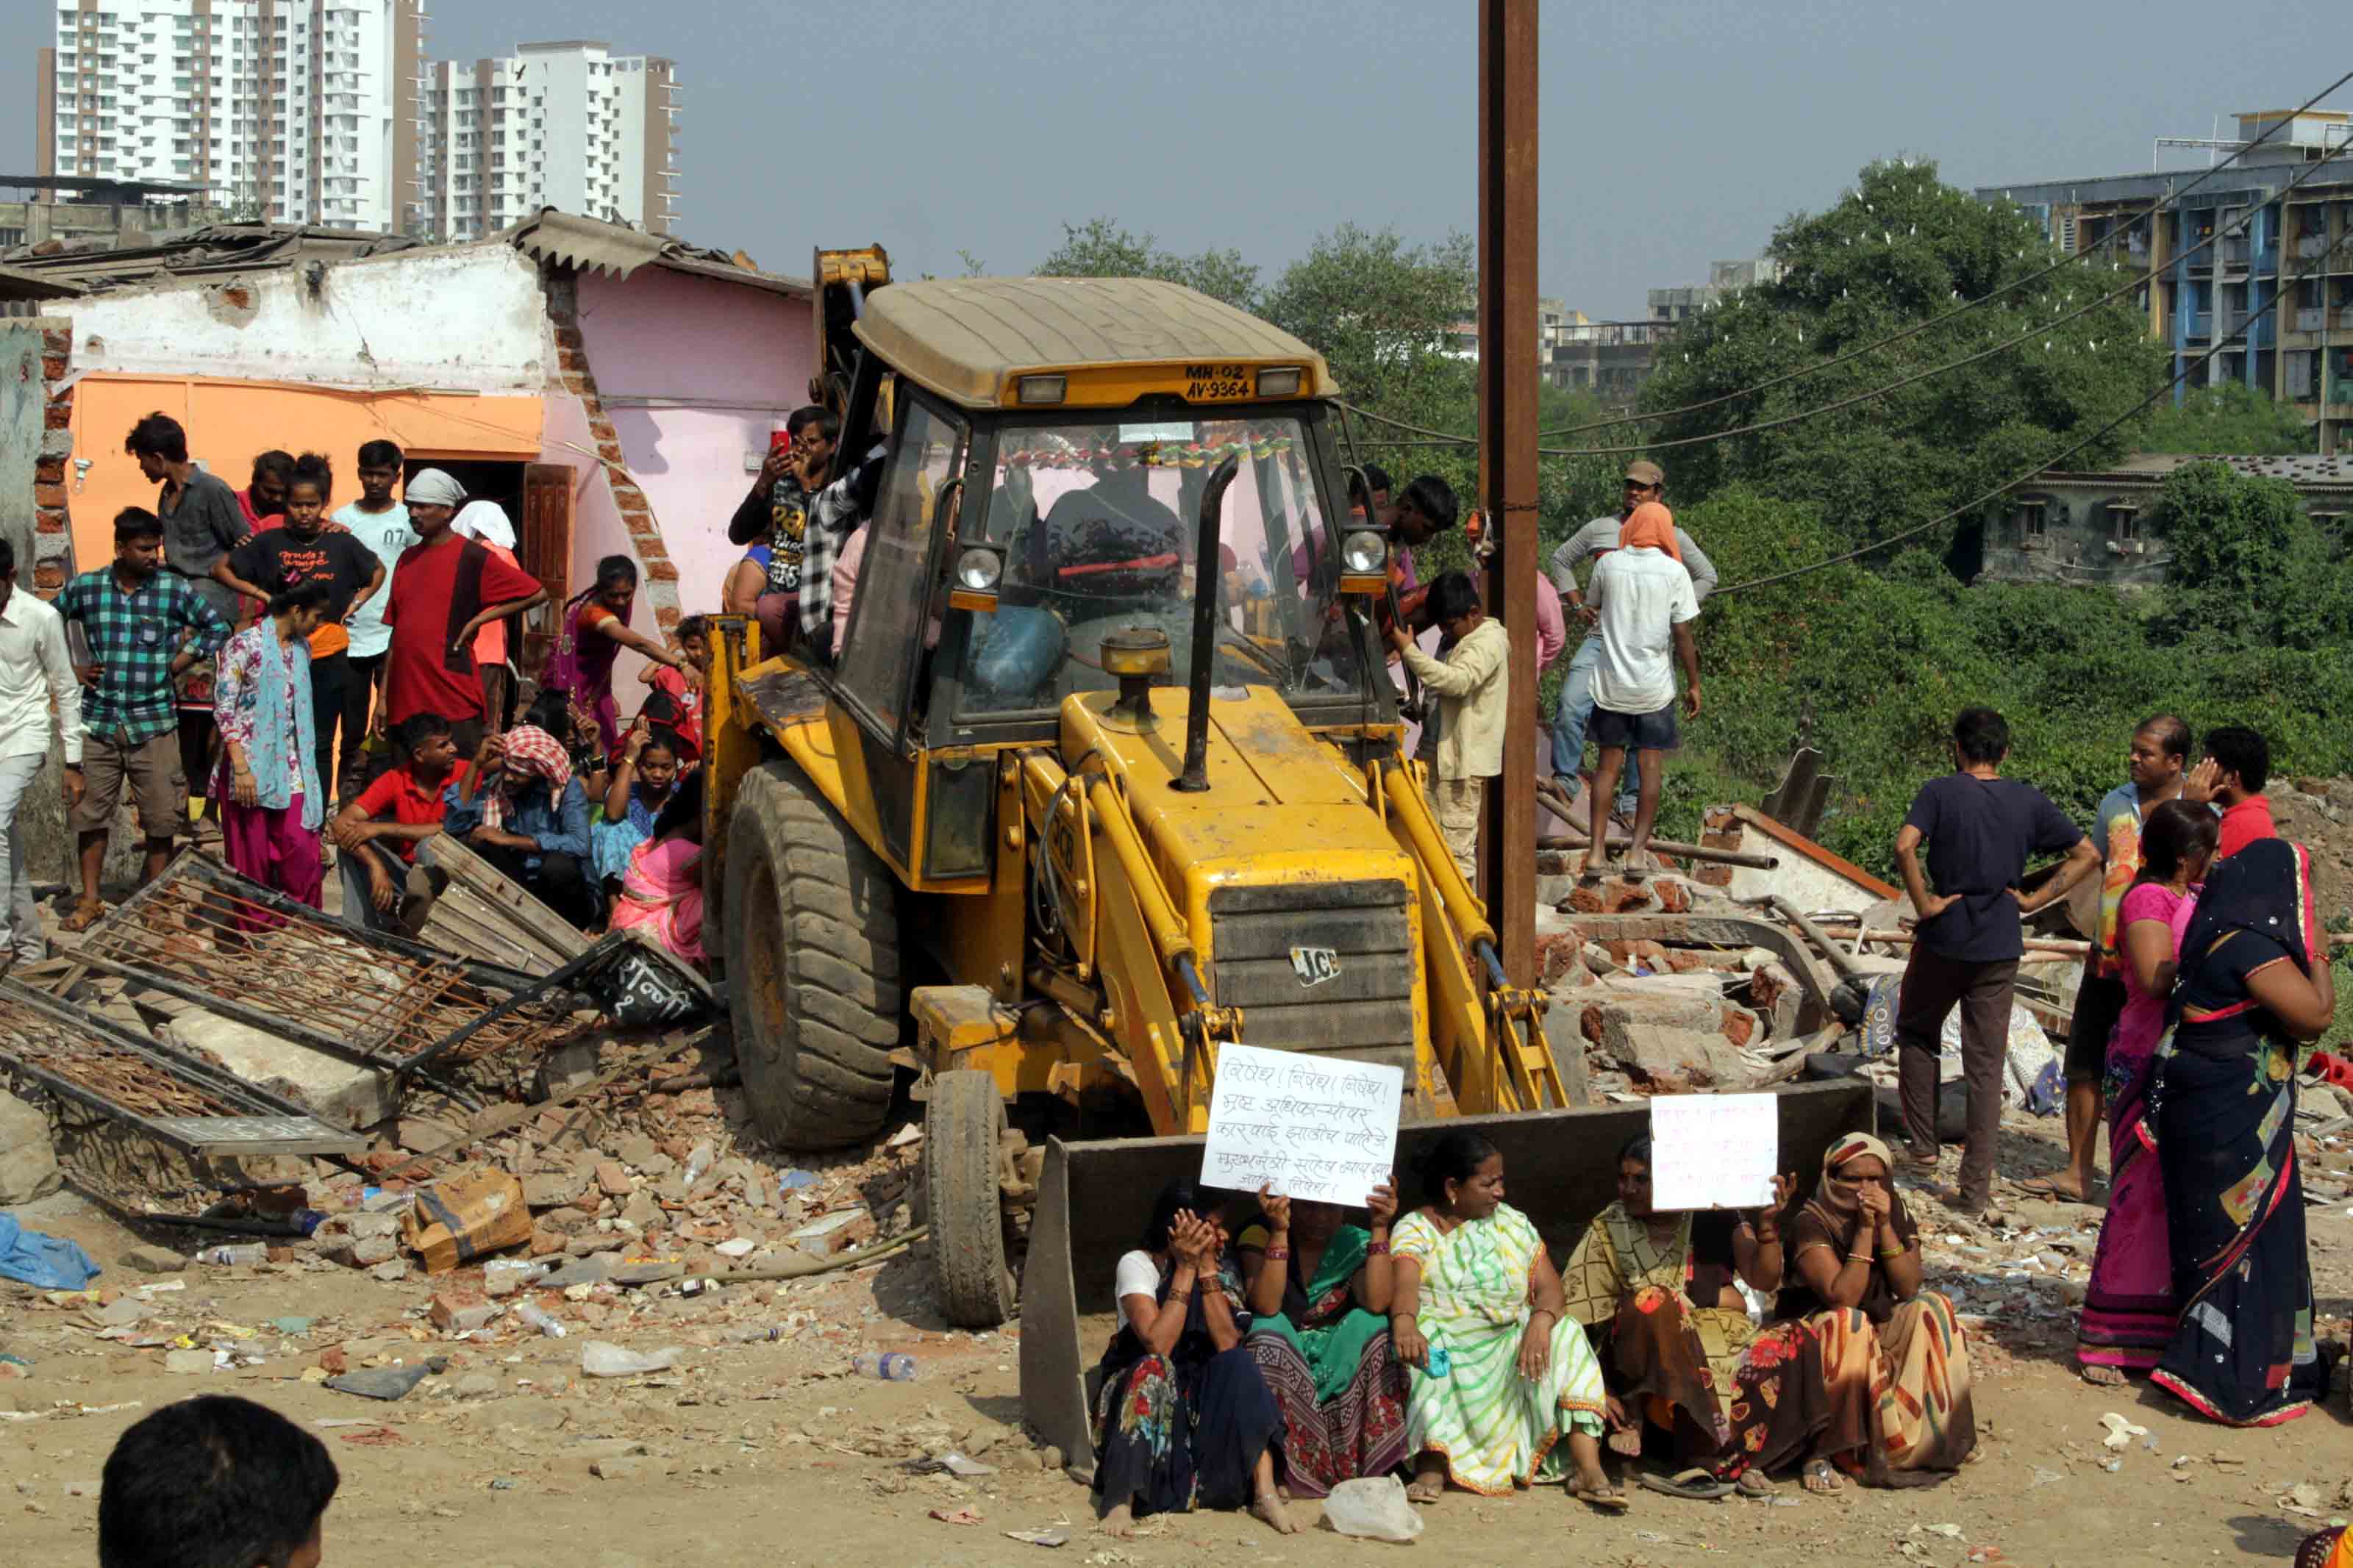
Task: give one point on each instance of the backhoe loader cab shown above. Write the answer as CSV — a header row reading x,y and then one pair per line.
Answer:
x,y
1107,774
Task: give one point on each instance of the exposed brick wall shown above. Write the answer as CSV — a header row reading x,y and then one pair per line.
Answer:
x,y
658,573
53,559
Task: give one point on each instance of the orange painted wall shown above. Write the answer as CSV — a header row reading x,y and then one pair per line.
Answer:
x,y
229,422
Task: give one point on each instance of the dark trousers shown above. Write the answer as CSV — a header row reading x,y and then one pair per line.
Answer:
x,y
359,696
562,882
1933,983
330,679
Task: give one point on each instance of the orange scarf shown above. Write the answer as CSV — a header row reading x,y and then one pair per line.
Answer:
x,y
1653,525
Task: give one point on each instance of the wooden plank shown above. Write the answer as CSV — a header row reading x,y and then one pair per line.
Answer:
x,y
545,551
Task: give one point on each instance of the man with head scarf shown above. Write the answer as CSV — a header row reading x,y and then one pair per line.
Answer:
x,y
447,589
1643,602
1645,481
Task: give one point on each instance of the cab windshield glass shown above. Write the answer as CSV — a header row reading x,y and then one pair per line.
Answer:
x,y
1100,523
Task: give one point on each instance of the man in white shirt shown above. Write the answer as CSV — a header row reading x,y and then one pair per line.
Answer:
x,y
381,524
1474,687
1586,547
1644,604
35,671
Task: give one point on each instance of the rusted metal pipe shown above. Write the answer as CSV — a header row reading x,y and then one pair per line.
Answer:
x,y
1681,851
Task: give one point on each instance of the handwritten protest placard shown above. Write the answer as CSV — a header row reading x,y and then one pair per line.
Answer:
x,y
1309,1127
1712,1151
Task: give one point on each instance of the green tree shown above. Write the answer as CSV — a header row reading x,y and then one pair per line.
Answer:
x,y
1101,249
2232,420
1901,248
2249,567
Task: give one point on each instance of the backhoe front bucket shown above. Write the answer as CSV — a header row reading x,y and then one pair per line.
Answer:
x,y
1560,1169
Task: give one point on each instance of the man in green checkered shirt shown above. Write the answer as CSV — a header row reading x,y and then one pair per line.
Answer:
x,y
142,627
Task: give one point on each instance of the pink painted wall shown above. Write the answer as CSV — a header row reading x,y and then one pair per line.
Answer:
x,y
693,372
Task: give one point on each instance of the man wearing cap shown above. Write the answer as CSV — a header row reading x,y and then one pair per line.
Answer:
x,y
446,588
1645,482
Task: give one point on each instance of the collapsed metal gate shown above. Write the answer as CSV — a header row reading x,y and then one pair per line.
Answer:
x,y
175,1098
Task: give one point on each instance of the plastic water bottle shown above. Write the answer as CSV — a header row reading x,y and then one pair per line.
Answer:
x,y
697,1162
248,1254
891,1366
532,1315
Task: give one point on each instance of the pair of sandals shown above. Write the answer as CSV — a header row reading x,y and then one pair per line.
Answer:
x,y
1697,1485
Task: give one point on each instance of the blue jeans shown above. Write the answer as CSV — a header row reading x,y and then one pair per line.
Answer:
x,y
1568,725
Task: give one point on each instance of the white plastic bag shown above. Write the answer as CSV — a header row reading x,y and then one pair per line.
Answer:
x,y
602,1358
1374,1508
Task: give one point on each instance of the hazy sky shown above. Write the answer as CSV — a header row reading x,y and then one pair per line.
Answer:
x,y
1673,133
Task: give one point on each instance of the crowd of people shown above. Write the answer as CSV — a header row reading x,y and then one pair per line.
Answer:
x,y
339,686
1312,1346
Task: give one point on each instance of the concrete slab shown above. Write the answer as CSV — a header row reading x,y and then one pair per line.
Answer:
x,y
342,1093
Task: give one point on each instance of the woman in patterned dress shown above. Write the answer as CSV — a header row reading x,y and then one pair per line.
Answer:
x,y
1868,1373
1501,1374
1659,1293
1182,1417
1319,1299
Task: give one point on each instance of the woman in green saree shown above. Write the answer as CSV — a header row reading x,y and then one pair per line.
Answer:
x,y
1501,1374
1319,1297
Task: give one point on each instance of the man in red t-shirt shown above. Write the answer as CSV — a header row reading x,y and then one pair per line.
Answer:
x,y
379,831
446,588
2230,779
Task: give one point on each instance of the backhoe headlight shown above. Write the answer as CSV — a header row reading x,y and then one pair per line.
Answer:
x,y
977,570
1364,551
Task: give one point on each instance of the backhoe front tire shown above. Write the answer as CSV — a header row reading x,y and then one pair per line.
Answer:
x,y
812,943
964,1128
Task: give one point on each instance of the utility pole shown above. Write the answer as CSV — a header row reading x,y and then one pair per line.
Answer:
x,y
1507,451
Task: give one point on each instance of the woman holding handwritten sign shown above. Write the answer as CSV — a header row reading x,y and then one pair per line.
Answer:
x,y
1501,1374
1319,1299
1657,1291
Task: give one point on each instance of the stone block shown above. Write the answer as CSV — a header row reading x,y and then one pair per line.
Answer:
x,y
340,1092
1665,1059
28,1161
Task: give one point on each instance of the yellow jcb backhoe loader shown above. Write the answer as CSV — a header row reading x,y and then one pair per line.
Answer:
x,y
1106,777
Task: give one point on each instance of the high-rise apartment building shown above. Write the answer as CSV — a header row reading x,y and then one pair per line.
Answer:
x,y
292,110
566,124
327,112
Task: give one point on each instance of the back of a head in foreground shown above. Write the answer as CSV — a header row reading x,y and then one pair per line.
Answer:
x,y
213,1482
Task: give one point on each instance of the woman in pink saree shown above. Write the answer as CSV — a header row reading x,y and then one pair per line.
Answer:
x,y
2128,1309
661,892
594,631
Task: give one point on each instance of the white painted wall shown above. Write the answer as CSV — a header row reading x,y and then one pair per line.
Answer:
x,y
469,319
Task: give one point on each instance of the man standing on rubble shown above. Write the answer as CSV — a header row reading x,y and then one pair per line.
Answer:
x,y
1644,482
2160,752
35,672
1979,829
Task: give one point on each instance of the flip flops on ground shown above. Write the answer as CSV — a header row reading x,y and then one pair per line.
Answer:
x,y
1694,1485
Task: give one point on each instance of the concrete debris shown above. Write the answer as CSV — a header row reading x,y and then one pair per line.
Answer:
x,y
28,1162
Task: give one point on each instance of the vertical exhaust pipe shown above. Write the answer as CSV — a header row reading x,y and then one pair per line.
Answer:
x,y
1206,580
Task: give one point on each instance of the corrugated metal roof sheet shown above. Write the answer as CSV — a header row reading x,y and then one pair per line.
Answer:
x,y
218,248
17,283
2149,469
592,244
963,336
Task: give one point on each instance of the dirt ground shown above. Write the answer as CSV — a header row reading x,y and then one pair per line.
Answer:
x,y
771,1452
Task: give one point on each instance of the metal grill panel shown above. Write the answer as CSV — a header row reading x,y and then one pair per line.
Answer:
x,y
1363,1011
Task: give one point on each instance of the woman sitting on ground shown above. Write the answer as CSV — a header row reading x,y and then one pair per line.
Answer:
x,y
1501,1374
2128,1308
661,892
638,787
1868,1373
1182,1417
2254,987
1660,1293
1319,1299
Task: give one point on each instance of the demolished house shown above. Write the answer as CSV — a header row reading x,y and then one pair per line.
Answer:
x,y
613,390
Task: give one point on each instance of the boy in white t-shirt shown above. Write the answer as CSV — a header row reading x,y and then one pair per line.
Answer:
x,y
1645,602
381,524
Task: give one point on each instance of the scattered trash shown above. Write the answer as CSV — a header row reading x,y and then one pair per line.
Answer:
x,y
381,1381
1055,1537
1372,1508
374,1437
601,1358
737,1247
911,1133
532,1315
2121,1432
2043,1477
246,1255
458,1220
292,1325
959,1516
954,1464
891,1366
794,1181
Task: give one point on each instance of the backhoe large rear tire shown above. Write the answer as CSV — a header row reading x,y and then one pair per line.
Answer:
x,y
964,1132
812,942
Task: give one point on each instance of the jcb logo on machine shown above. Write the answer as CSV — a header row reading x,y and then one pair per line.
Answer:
x,y
1314,966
